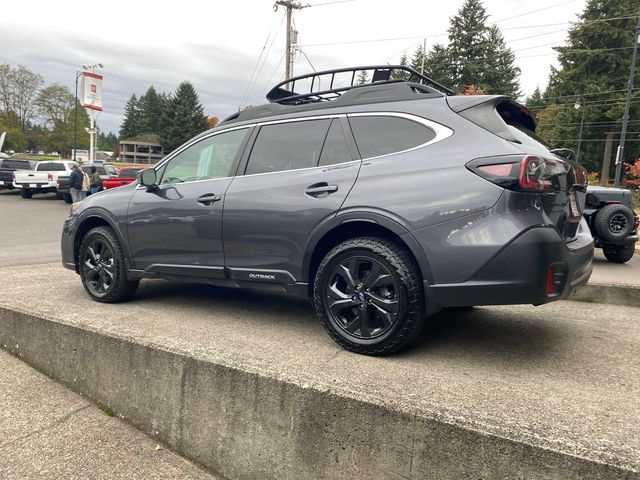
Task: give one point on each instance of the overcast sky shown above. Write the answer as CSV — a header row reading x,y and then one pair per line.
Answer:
x,y
216,45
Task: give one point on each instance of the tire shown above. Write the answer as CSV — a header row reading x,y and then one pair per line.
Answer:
x,y
26,193
67,198
104,280
614,222
365,314
618,253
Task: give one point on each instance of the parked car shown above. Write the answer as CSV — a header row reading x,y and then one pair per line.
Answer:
x,y
127,175
43,179
383,203
8,166
614,225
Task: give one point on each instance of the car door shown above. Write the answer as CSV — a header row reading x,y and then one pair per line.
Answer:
x,y
297,174
176,228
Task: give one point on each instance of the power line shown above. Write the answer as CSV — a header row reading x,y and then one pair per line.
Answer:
x,y
329,3
533,11
264,60
255,68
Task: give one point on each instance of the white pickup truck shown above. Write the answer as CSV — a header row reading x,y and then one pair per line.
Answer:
x,y
43,179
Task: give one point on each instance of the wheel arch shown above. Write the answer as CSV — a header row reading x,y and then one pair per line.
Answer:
x,y
343,227
90,221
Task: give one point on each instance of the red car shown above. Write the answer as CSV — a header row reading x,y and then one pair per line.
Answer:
x,y
127,175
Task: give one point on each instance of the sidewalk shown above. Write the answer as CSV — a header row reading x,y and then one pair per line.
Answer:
x,y
612,283
47,431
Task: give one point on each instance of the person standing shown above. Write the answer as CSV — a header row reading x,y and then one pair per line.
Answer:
x,y
95,184
75,183
86,184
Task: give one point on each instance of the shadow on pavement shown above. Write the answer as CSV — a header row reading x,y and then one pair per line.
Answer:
x,y
481,334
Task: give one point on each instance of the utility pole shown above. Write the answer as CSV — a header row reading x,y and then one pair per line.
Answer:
x,y
625,118
290,5
424,54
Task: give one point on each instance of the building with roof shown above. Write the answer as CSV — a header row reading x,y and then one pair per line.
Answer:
x,y
140,149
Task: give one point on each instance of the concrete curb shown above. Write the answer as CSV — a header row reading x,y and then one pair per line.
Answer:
x,y
247,425
623,295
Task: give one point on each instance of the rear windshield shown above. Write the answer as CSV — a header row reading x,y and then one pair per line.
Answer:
x,y
133,173
51,167
19,164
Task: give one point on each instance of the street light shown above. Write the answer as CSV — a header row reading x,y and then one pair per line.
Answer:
x,y
581,103
75,114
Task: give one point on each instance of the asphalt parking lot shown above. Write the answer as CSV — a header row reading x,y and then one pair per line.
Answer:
x,y
30,229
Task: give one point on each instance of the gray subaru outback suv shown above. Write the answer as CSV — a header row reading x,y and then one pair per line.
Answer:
x,y
384,203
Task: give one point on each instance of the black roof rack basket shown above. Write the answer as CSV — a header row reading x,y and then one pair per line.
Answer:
x,y
336,82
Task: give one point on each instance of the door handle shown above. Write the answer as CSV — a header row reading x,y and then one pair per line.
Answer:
x,y
209,199
320,190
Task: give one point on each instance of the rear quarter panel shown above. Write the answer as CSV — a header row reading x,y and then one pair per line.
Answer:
x,y
453,213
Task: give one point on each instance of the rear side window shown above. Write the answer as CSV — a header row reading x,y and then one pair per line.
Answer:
x,y
287,146
381,135
335,149
51,167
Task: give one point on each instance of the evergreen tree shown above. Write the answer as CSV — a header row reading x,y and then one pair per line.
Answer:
x,y
594,64
363,78
107,142
500,73
132,124
404,62
151,105
535,102
438,65
416,60
182,118
468,45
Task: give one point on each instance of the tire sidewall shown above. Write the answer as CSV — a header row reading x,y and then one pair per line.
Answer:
x,y
119,267
605,215
321,283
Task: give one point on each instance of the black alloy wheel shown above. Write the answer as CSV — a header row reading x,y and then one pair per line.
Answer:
x,y
369,295
363,297
98,267
618,223
102,267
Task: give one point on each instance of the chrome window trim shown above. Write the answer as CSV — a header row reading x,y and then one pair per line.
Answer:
x,y
441,131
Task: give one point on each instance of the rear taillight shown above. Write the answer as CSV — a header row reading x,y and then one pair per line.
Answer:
x,y
14,176
529,173
50,176
636,222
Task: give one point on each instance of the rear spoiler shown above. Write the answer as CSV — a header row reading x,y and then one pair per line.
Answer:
x,y
493,112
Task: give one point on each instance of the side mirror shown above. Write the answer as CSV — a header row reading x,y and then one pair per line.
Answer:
x,y
148,178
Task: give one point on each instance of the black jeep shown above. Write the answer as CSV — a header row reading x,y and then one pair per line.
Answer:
x,y
613,224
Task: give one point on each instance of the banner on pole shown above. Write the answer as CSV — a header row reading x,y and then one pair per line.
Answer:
x,y
91,91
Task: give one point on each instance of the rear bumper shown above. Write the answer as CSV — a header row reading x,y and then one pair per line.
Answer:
x,y
517,274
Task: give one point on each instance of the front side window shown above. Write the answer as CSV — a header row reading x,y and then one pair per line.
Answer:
x,y
210,158
382,135
287,146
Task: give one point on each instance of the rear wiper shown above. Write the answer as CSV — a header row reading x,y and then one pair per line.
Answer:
x,y
564,153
